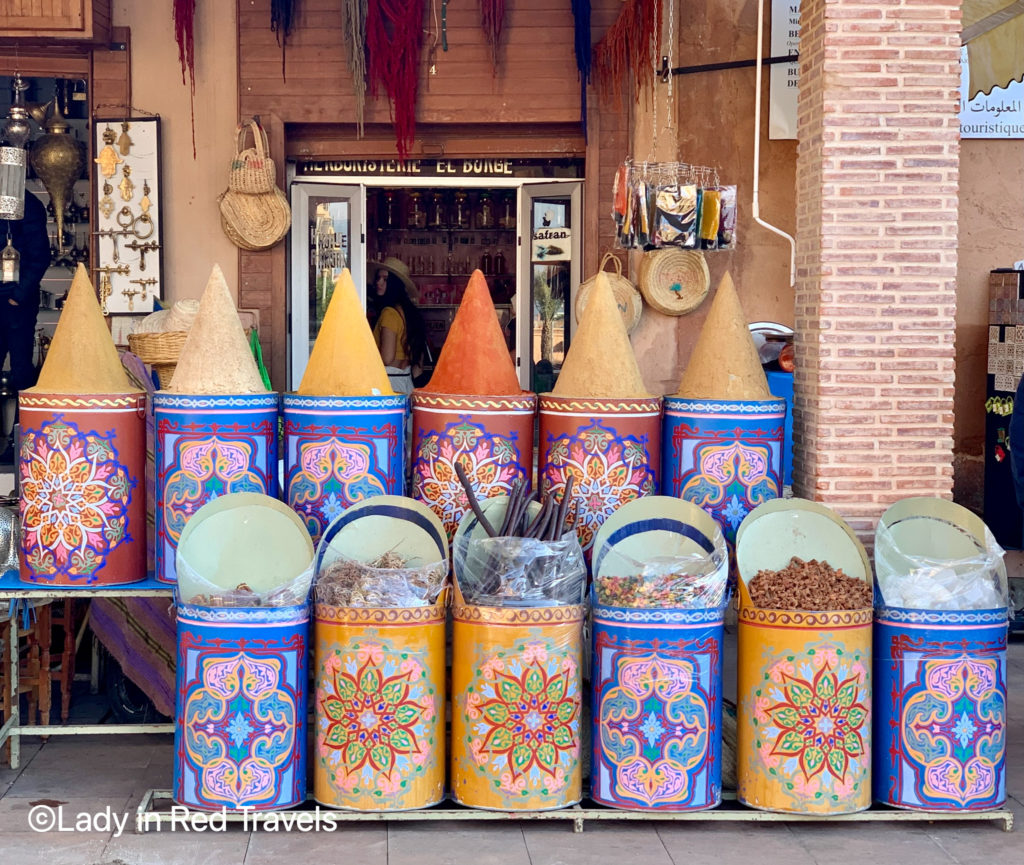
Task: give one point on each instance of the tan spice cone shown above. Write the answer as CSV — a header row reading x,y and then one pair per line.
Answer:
x,y
600,361
724,363
475,359
345,360
82,357
216,358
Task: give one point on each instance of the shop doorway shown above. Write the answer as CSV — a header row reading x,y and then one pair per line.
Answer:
x,y
525,237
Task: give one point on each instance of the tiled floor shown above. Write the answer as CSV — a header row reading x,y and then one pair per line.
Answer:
x,y
93,774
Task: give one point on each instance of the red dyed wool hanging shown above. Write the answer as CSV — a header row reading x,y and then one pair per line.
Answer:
x,y
282,13
630,48
185,36
492,17
394,39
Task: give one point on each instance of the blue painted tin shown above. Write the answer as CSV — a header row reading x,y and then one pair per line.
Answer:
x,y
657,708
723,455
240,730
657,671
339,450
940,708
207,446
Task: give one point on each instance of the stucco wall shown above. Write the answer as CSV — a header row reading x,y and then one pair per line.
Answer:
x,y
193,240
991,236
709,120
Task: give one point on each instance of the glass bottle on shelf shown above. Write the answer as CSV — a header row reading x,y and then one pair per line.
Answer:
x,y
499,262
417,218
460,211
508,216
389,209
437,211
11,260
485,211
486,263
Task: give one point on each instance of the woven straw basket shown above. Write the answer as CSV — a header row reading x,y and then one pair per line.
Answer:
x,y
674,281
252,169
159,350
255,222
630,303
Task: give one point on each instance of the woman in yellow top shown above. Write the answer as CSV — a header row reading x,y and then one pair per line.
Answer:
x,y
400,331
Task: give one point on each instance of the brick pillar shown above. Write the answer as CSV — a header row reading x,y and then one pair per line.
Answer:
x,y
877,186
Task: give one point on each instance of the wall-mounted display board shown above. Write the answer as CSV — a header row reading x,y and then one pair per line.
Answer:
x,y
127,224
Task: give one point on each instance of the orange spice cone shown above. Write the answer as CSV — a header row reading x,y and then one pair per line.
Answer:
x,y
475,359
345,360
82,358
724,363
216,358
600,361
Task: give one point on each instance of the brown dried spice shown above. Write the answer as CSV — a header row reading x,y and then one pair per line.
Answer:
x,y
810,585
384,582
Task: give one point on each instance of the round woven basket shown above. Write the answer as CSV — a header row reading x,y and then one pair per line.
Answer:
x,y
159,350
630,303
674,281
255,222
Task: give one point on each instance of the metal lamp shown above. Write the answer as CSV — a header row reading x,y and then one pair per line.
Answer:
x,y
13,156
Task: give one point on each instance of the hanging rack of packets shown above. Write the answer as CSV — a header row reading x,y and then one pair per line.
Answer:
x,y
659,204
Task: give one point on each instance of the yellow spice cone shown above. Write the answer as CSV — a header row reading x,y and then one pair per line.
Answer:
x,y
724,363
82,358
345,360
600,361
216,358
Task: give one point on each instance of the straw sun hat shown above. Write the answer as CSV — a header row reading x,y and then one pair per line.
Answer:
x,y
400,269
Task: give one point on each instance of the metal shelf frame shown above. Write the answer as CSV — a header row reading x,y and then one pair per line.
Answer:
x,y
12,591
156,811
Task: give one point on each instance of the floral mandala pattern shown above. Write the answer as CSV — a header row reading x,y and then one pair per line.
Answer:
x,y
207,468
376,706
610,471
491,462
954,730
523,715
813,717
75,496
819,723
239,728
654,727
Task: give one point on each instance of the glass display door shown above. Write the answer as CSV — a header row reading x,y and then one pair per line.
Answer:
x,y
327,235
550,263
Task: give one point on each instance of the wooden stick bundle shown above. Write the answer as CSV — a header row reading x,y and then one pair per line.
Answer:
x,y
549,524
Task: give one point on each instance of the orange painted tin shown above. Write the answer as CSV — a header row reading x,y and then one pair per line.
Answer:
x,y
804,678
516,701
83,494
387,665
490,436
612,447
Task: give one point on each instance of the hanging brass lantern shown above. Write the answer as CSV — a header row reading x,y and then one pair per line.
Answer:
x,y
13,158
58,159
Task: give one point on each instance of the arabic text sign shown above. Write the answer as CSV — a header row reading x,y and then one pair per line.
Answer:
x,y
998,115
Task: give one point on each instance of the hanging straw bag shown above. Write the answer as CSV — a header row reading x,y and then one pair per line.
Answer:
x,y
252,169
626,296
674,281
255,222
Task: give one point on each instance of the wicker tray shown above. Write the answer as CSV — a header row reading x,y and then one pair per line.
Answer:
x,y
674,281
630,303
159,350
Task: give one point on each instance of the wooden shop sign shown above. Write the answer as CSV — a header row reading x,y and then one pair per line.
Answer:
x,y
416,167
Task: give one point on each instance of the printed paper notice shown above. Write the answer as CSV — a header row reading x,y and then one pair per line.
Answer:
x,y
783,79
